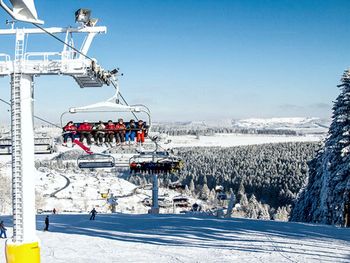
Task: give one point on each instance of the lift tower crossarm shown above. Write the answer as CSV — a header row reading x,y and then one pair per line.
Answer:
x,y
85,71
22,68
56,30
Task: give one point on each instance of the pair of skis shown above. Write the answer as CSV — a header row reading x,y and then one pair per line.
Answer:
x,y
82,146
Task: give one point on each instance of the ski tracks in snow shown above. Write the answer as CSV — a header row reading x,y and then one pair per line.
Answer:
x,y
62,188
279,250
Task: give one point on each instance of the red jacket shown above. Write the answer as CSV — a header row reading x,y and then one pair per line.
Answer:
x,y
120,127
70,128
85,127
110,128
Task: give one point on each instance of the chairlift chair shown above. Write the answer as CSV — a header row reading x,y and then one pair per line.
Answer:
x,y
42,145
181,201
98,160
153,162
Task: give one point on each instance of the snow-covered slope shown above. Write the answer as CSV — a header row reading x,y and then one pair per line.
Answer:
x,y
81,191
295,123
254,123
184,238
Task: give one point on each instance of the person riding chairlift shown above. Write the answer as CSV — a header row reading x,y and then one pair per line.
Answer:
x,y
99,133
130,132
70,131
84,130
110,127
140,131
120,132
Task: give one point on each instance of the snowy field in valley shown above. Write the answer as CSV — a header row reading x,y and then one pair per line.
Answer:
x,y
184,238
229,140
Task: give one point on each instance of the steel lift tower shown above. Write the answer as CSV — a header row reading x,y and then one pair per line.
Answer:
x,y
24,246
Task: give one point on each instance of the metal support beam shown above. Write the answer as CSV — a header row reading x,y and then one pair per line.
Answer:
x,y
56,30
155,206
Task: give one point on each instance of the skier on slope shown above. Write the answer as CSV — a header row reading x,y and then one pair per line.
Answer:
x,y
2,230
47,223
93,214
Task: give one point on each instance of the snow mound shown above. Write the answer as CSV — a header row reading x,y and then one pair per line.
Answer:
x,y
68,155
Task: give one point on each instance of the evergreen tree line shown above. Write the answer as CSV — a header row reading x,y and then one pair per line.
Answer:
x,y
326,197
180,131
273,173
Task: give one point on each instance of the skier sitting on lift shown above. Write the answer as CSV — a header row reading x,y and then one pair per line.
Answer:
x,y
70,131
110,127
120,132
130,134
84,130
141,131
99,134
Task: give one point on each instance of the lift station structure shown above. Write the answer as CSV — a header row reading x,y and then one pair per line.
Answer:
x,y
22,68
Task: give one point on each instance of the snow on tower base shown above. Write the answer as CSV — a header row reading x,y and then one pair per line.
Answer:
x,y
22,253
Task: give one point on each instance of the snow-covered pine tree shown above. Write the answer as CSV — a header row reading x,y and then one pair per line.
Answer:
x,y
327,192
192,188
205,192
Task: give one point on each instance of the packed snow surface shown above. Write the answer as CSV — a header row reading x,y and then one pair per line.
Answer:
x,y
185,238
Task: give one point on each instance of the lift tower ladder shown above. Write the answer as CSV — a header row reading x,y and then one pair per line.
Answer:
x,y
17,182
25,246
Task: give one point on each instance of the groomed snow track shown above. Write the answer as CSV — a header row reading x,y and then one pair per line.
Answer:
x,y
185,238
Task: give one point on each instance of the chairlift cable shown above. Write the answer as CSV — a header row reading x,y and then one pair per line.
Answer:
x,y
41,119
70,46
133,113
60,40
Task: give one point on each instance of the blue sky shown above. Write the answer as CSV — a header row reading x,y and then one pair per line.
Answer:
x,y
197,60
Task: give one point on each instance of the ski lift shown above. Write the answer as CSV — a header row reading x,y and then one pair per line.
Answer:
x,y
104,195
99,160
177,186
95,160
155,161
42,145
181,201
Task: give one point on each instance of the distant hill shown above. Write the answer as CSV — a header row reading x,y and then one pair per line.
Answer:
x,y
287,126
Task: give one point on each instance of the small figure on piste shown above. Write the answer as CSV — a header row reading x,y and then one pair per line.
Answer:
x,y
47,222
93,214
